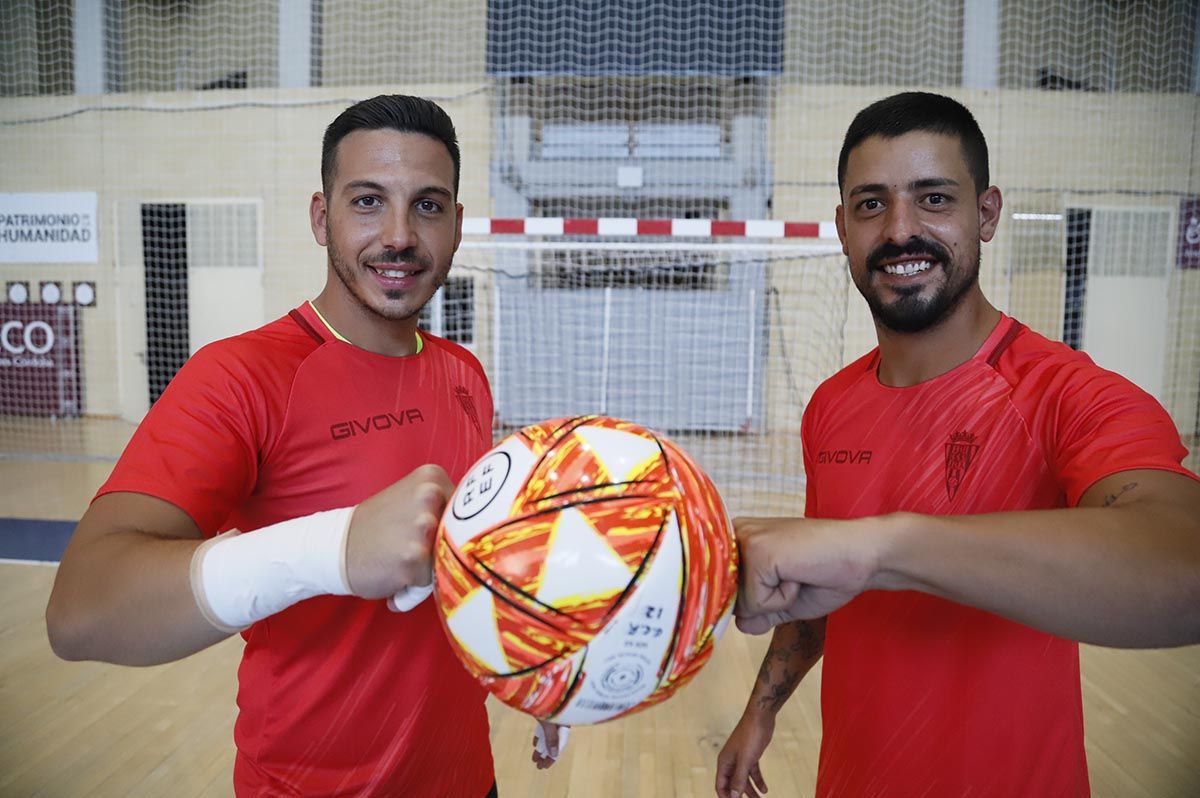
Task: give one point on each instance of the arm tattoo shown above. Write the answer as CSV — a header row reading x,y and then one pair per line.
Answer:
x,y
1111,498
807,643
779,692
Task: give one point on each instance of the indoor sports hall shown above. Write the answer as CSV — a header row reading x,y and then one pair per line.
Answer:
x,y
649,190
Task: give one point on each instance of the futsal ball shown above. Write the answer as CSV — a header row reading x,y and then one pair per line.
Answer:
x,y
584,569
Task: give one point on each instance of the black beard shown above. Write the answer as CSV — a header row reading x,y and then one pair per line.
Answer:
x,y
910,313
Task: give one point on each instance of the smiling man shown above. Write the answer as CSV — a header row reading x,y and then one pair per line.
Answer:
x,y
388,218
914,240
331,437
1009,498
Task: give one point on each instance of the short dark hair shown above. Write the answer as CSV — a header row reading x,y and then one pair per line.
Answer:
x,y
917,110
389,112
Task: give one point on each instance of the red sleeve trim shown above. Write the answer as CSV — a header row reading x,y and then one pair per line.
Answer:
x,y
1010,336
304,325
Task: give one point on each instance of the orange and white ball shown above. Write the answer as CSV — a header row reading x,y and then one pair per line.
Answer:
x,y
584,569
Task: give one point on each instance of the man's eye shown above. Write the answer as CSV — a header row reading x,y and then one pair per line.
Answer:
x,y
428,206
937,199
870,205
367,202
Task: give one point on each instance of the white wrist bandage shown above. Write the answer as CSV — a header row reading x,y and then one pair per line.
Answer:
x,y
409,597
539,742
238,579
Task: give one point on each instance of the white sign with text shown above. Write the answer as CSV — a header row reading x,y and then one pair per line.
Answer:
x,y
48,227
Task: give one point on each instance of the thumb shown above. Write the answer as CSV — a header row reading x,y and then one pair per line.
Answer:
x,y
754,624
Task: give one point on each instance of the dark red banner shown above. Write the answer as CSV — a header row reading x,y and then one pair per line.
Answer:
x,y
39,360
1189,233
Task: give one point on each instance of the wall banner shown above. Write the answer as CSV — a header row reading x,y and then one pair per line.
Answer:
x,y
48,228
1189,233
39,360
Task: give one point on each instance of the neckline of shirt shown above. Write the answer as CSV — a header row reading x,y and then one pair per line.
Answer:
x,y
345,340
981,355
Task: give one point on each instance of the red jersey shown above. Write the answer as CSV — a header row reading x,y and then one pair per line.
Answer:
x,y
922,696
338,696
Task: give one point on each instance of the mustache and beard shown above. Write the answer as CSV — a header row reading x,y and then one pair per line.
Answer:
x,y
912,312
352,278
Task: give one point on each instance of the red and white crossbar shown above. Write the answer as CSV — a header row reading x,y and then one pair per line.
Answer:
x,y
675,228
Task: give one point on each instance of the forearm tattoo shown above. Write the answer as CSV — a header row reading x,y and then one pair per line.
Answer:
x,y
797,644
1111,498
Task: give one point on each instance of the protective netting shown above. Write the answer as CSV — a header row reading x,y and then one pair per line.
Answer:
x,y
721,351
164,153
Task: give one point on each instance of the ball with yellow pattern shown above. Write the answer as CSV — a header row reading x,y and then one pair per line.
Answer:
x,y
584,569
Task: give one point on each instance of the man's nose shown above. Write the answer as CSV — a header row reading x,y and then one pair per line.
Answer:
x,y
398,232
902,223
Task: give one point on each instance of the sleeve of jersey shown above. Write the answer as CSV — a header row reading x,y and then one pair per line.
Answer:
x,y
197,447
810,479
489,407
1104,424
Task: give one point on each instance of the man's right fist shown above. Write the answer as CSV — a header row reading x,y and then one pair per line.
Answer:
x,y
390,541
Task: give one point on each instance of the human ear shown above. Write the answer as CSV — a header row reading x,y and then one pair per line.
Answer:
x,y
990,204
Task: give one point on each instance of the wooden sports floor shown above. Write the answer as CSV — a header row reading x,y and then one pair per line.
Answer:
x,y
69,730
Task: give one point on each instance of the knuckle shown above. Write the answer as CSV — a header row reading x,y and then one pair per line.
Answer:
x,y
427,472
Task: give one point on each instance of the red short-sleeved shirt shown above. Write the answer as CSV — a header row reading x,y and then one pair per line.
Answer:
x,y
338,696
922,696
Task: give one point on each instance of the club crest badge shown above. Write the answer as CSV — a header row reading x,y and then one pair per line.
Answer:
x,y
960,452
468,405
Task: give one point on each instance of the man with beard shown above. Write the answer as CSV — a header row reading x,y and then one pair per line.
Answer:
x,y
331,438
979,498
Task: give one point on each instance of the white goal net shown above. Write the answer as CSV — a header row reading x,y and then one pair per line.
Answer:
x,y
719,347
